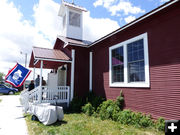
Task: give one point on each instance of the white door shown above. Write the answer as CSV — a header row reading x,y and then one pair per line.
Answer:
x,y
62,77
52,80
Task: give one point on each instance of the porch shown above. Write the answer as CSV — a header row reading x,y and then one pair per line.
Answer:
x,y
60,83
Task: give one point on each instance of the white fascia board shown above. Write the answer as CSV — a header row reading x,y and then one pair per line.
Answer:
x,y
53,60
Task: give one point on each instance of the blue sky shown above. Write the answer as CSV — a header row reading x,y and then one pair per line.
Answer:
x,y
28,23
26,7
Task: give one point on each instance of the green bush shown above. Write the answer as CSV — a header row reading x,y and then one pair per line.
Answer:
x,y
108,110
125,117
146,121
94,100
137,119
120,100
160,124
88,109
76,104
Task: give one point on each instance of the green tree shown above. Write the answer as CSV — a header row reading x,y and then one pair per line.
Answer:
x,y
1,76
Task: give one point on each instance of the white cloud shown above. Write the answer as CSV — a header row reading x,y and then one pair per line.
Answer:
x,y
18,34
94,28
163,1
129,19
46,18
116,6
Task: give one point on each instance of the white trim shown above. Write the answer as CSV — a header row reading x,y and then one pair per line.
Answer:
x,y
36,62
72,74
130,24
146,60
34,70
40,84
68,61
66,75
86,46
90,71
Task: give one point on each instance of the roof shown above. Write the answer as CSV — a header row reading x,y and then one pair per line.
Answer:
x,y
72,5
167,4
52,58
51,54
76,42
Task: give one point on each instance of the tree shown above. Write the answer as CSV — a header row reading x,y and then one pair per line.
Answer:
x,y
1,76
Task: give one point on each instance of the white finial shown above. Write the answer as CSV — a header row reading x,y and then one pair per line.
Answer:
x,y
72,1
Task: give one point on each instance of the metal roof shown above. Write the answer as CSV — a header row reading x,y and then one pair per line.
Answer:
x,y
51,54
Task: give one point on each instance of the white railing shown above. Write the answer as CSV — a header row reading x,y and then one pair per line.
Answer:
x,y
58,95
33,95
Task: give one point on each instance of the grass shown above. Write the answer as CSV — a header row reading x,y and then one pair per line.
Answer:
x,y
0,100
81,124
18,93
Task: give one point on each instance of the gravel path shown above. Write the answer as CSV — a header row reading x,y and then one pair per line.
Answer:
x,y
12,121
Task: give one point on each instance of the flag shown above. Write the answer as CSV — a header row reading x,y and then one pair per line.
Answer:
x,y
17,75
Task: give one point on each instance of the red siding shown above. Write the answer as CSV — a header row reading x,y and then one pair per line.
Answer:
x,y
163,96
81,75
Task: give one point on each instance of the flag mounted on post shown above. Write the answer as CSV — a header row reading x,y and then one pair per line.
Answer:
x,y
17,75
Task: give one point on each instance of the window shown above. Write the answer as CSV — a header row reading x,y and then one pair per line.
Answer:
x,y
74,19
129,64
117,65
64,21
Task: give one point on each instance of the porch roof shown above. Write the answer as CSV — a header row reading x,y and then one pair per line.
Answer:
x,y
52,58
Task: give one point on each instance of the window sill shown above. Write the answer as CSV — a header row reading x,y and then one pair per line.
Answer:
x,y
131,85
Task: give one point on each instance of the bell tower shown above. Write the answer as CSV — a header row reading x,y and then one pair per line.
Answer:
x,y
72,20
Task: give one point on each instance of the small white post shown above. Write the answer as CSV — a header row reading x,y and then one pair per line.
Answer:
x,y
72,74
40,85
34,70
90,71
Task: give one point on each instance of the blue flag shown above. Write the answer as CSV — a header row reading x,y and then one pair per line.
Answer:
x,y
17,75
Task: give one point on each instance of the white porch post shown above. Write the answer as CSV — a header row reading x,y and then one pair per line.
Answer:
x,y
40,84
72,74
34,73
90,71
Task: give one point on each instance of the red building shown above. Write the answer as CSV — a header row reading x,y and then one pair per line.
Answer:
x,y
141,58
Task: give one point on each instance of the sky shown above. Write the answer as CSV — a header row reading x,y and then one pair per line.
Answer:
x,y
28,23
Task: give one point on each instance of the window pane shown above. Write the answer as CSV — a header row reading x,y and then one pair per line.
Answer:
x,y
118,73
136,71
135,51
117,65
64,21
74,19
136,61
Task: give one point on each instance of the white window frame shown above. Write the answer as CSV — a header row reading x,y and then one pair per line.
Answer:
x,y
145,83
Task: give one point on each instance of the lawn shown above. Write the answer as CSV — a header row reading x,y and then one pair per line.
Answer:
x,y
81,124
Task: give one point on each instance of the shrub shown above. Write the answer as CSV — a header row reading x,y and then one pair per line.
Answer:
x,y
76,104
137,119
94,100
120,100
146,121
160,124
125,117
88,109
108,110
